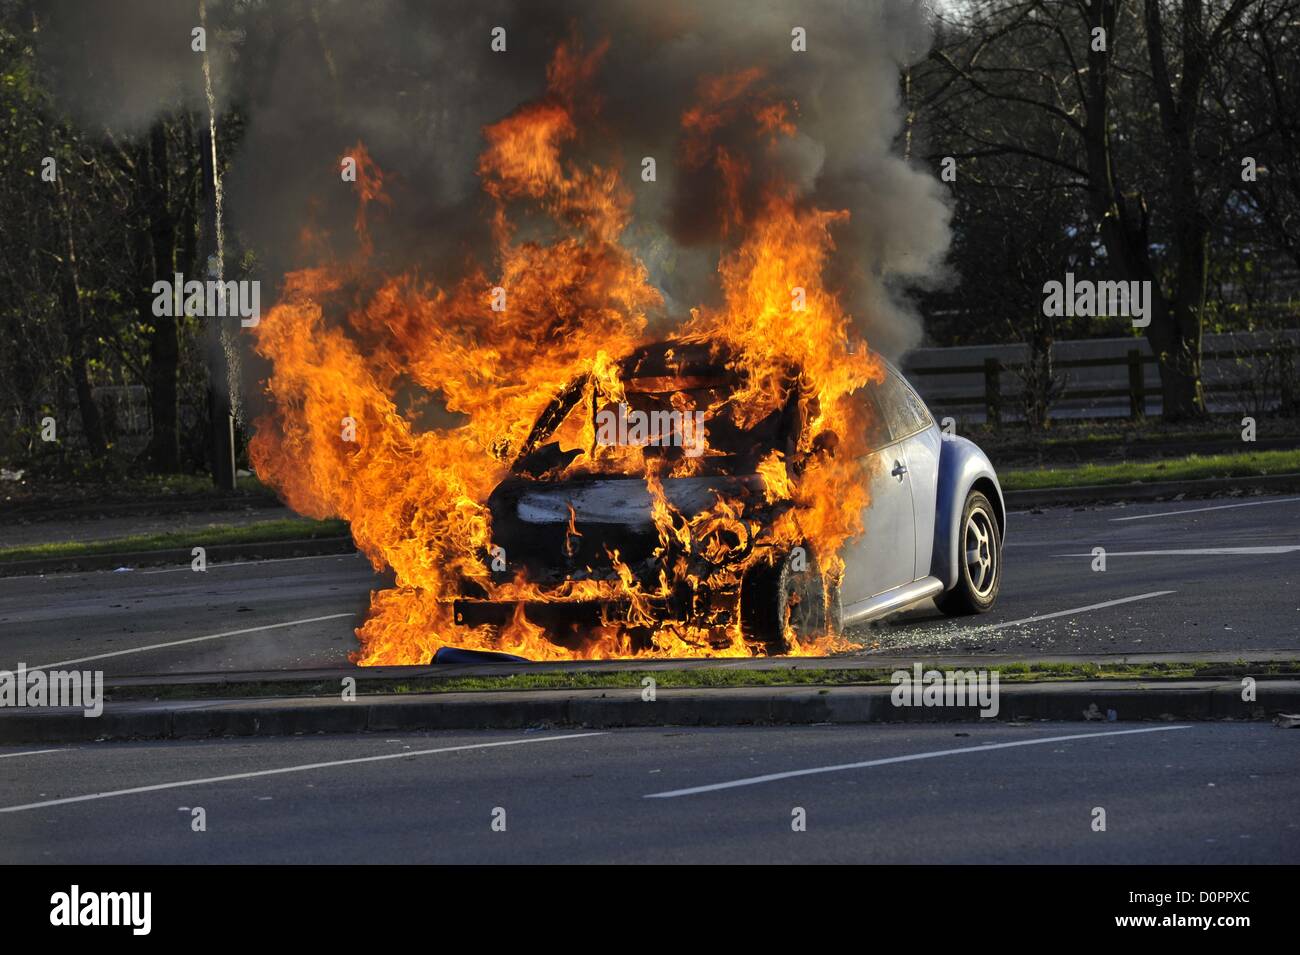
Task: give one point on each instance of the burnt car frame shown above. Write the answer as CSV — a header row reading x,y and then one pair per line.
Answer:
x,y
935,522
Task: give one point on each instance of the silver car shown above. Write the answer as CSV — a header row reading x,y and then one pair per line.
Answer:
x,y
934,529
935,523
935,498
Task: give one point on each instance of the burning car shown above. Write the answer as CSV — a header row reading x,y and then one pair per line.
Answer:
x,y
644,494
542,478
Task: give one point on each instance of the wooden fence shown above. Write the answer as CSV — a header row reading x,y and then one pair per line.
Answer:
x,y
994,398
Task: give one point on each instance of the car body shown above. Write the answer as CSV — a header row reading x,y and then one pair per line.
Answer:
x,y
923,480
925,539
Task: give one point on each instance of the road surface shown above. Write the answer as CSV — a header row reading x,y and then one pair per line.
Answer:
x,y
945,793
1195,576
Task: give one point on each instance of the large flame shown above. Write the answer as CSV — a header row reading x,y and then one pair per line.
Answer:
x,y
563,304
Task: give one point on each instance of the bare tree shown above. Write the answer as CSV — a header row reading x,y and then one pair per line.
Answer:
x,y
1068,61
1265,116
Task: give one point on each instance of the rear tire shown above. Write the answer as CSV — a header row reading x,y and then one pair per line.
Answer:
x,y
979,560
792,589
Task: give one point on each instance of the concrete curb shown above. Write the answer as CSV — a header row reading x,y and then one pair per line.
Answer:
x,y
1130,701
312,547
213,683
1088,493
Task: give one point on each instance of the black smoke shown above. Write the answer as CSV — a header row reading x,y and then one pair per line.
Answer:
x,y
416,81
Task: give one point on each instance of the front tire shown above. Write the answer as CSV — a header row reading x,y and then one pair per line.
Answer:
x,y
979,560
790,590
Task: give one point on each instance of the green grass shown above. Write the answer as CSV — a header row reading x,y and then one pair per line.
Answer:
x,y
42,488
181,485
702,679
1193,467
260,533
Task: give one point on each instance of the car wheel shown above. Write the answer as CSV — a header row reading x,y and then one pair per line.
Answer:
x,y
979,560
793,590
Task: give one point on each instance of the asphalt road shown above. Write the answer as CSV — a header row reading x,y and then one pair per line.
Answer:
x,y
1171,793
1194,576
1207,575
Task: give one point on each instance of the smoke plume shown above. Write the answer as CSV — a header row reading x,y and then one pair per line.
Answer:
x,y
416,82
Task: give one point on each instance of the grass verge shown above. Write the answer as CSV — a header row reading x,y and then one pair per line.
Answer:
x,y
696,679
261,532
1191,468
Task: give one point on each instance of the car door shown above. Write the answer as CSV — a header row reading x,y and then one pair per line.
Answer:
x,y
922,449
884,555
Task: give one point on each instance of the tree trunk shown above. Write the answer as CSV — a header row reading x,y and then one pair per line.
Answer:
x,y
164,347
1175,324
74,331
1176,338
220,348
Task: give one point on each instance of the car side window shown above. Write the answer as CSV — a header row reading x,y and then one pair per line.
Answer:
x,y
904,409
870,417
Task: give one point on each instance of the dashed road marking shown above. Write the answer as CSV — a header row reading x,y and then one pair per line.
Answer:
x,y
178,643
911,757
30,752
255,774
1066,613
1255,551
1200,510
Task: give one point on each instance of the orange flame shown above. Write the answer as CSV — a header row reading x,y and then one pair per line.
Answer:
x,y
560,312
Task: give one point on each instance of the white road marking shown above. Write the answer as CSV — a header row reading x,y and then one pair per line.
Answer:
x,y
1066,613
1200,510
935,754
966,631
30,752
178,643
245,563
289,769
4,578
1198,551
